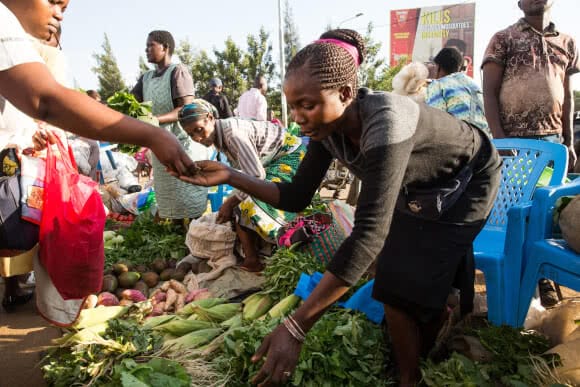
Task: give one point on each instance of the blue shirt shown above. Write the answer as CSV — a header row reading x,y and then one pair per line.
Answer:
x,y
458,95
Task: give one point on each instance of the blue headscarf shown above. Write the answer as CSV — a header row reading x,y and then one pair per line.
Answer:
x,y
197,110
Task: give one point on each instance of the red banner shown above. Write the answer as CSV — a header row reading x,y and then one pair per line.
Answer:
x,y
418,34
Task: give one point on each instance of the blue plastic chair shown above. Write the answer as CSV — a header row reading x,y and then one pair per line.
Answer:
x,y
216,198
499,246
105,147
545,256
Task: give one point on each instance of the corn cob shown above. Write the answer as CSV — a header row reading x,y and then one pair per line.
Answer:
x,y
257,307
90,317
179,327
207,303
284,307
193,339
218,313
152,322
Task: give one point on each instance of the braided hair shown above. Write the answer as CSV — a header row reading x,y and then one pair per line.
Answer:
x,y
331,64
165,38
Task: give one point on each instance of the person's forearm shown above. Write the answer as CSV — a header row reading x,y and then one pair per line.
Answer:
x,y
568,115
491,104
263,190
169,117
326,293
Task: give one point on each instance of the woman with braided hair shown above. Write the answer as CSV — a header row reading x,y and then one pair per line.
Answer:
x,y
260,149
428,185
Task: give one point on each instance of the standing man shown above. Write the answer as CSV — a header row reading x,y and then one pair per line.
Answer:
x,y
252,104
217,99
526,86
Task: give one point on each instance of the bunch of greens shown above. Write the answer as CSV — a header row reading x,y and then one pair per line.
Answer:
x,y
283,270
157,372
91,361
342,349
127,104
512,363
146,240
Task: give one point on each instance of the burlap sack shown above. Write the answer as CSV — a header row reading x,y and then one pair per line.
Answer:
x,y
207,239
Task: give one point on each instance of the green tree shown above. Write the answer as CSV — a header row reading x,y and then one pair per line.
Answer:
x,y
107,71
372,70
231,68
291,38
258,58
143,67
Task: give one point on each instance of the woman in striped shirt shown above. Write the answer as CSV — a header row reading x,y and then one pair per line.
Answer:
x,y
258,148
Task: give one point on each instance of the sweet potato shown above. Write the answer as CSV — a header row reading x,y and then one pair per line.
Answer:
x,y
177,286
180,302
171,298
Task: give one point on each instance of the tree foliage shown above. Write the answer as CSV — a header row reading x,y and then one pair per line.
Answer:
x,y
291,37
107,70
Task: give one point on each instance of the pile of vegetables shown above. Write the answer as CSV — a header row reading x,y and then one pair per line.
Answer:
x,y
112,352
514,355
144,241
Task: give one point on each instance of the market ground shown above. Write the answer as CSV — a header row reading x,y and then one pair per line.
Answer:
x,y
24,335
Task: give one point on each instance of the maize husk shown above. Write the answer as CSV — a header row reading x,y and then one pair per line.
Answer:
x,y
250,298
98,315
284,307
193,339
180,327
257,307
152,322
233,322
206,303
218,313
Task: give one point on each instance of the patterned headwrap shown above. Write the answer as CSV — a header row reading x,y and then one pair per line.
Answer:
x,y
196,110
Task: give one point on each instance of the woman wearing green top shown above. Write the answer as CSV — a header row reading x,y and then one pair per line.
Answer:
x,y
169,87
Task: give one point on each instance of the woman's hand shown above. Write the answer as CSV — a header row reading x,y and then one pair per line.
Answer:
x,y
171,154
207,174
41,138
282,352
226,211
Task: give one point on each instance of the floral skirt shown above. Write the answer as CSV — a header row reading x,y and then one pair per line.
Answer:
x,y
261,217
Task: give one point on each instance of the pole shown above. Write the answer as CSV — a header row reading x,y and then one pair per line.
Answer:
x,y
282,63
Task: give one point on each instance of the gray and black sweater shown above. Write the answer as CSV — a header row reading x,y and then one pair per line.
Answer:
x,y
402,143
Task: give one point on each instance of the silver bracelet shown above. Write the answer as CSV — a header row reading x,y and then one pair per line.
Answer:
x,y
297,326
293,331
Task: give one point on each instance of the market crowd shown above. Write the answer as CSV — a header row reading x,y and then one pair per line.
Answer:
x,y
429,139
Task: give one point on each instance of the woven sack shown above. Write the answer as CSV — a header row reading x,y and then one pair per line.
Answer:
x,y
208,239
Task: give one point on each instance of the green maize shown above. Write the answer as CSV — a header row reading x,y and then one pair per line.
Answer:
x,y
193,339
257,307
179,327
206,304
218,313
284,307
152,322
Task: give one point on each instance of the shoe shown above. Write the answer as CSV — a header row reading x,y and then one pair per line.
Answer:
x,y
9,303
548,295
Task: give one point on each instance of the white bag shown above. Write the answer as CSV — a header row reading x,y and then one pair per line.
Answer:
x,y
208,239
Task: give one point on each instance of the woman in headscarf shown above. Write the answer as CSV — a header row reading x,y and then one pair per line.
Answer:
x,y
258,148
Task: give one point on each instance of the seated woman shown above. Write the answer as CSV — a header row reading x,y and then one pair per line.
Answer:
x,y
258,148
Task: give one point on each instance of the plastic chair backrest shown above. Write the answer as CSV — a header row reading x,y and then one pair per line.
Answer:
x,y
524,161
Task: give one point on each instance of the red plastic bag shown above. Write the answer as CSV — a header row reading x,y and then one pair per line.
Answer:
x,y
71,229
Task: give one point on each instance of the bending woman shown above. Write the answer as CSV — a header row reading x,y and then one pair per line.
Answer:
x,y
258,148
407,156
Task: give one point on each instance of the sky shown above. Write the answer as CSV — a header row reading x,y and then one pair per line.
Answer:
x,y
207,24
